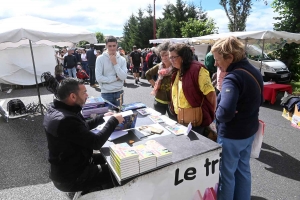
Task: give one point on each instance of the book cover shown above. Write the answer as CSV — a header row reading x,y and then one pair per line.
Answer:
x,y
123,151
177,129
143,111
156,119
133,106
158,149
143,152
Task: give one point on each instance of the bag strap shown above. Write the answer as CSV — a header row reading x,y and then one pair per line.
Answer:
x,y
251,76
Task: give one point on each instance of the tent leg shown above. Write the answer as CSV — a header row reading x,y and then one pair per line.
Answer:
x,y
36,82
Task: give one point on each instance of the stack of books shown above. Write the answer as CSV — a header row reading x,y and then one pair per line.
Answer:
x,y
163,155
147,159
124,160
94,105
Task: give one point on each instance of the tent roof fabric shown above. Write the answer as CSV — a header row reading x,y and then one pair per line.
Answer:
x,y
269,36
16,31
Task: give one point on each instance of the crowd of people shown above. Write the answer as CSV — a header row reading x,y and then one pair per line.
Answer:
x,y
183,88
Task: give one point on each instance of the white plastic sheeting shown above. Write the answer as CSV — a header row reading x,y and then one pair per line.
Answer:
x,y
16,64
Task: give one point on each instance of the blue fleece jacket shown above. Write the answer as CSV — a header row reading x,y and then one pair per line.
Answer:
x,y
239,102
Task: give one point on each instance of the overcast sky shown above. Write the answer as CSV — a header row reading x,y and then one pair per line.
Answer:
x,y
109,16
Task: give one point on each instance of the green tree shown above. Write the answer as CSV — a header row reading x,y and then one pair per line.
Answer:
x,y
166,29
195,27
237,12
83,43
100,37
288,20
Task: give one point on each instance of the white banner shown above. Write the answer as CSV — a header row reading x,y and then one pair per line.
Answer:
x,y
195,178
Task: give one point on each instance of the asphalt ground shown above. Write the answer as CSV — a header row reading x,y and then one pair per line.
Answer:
x,y
23,150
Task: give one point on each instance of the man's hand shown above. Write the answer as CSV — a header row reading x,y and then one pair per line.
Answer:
x,y
108,114
113,59
119,117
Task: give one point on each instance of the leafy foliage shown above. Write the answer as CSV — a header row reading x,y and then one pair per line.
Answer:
x,y
100,37
288,20
194,27
138,30
237,12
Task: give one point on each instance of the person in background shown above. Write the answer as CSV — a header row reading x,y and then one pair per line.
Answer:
x,y
209,62
70,63
162,86
91,57
236,117
98,53
73,166
135,60
195,57
191,86
84,62
111,71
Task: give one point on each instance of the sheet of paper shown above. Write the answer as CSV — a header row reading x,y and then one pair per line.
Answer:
x,y
167,120
189,128
124,114
117,134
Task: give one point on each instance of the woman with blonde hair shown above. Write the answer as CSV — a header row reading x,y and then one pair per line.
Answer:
x,y
236,117
193,95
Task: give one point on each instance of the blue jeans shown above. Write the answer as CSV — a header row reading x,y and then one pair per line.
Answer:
x,y
72,72
235,174
92,75
113,98
85,67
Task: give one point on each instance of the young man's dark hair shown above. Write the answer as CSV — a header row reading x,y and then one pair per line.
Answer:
x,y
111,39
68,86
91,45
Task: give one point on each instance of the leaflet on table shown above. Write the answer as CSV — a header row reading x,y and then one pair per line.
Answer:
x,y
177,129
156,119
124,114
167,120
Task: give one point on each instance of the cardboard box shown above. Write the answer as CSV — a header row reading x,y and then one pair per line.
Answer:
x,y
287,115
296,121
296,111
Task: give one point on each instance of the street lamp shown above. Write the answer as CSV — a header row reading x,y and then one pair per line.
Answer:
x,y
154,21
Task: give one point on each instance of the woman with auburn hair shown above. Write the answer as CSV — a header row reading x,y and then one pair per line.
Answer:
x,y
193,95
236,117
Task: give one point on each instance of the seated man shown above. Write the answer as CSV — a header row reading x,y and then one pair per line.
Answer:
x,y
73,166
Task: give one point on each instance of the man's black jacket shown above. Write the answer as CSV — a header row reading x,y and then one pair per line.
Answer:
x,y
70,141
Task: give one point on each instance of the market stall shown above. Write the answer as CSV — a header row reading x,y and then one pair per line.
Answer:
x,y
192,174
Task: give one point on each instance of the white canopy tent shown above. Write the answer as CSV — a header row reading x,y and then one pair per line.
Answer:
x,y
267,36
172,40
33,31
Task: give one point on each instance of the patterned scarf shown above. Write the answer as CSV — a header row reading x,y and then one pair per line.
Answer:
x,y
162,72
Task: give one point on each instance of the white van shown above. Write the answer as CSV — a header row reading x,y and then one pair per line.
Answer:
x,y
274,70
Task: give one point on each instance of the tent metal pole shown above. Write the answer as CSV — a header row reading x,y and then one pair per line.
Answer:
x,y
37,86
262,54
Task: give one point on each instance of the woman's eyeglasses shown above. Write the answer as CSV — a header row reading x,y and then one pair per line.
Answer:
x,y
173,57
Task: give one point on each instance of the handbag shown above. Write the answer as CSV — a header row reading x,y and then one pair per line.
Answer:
x,y
259,135
190,115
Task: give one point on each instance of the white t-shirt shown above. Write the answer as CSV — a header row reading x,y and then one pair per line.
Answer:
x,y
83,57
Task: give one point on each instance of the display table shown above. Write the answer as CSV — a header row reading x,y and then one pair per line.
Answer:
x,y
194,170
270,91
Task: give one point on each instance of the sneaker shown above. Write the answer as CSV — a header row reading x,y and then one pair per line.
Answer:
x,y
136,81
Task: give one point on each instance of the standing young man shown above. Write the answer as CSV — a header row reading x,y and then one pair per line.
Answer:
x,y
111,71
91,58
70,63
135,60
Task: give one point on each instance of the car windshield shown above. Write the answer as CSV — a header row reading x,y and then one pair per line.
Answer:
x,y
255,53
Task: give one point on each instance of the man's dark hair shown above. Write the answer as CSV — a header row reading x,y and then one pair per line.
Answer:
x,y
68,86
91,45
111,39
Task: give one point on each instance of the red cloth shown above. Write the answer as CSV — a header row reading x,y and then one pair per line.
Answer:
x,y
270,91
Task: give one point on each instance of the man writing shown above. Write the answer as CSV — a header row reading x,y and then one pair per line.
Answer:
x,y
111,71
73,166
